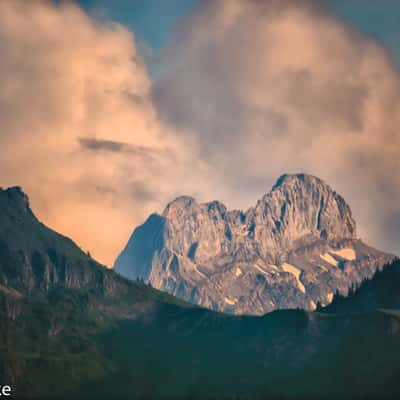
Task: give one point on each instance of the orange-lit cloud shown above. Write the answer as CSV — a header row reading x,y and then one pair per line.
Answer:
x,y
247,90
77,129
267,87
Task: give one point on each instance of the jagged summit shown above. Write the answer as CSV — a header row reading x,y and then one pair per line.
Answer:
x,y
15,197
186,203
180,202
308,204
14,191
297,205
300,177
294,248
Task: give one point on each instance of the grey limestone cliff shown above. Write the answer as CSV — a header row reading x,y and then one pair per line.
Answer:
x,y
295,248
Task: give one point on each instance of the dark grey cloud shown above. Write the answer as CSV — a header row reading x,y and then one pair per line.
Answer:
x,y
102,145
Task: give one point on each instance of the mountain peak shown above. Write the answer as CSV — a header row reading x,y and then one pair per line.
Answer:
x,y
299,233
14,191
15,197
300,203
301,178
181,202
34,257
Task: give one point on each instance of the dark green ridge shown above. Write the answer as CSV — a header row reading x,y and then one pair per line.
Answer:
x,y
70,328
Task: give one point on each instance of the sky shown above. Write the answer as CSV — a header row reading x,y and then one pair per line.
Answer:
x,y
110,109
153,21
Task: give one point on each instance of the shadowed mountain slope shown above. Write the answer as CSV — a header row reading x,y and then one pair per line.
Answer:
x,y
70,328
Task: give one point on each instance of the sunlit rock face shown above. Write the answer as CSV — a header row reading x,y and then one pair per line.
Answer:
x,y
294,249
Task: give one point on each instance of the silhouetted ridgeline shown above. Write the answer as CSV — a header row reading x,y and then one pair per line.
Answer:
x,y
382,291
69,328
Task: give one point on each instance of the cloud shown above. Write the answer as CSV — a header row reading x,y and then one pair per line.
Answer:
x,y
281,86
78,130
106,145
246,91
101,145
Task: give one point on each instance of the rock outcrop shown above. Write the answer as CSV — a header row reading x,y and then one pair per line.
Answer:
x,y
294,249
34,258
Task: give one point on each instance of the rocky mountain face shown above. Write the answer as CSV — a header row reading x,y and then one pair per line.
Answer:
x,y
294,249
53,299
70,328
34,259
36,262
